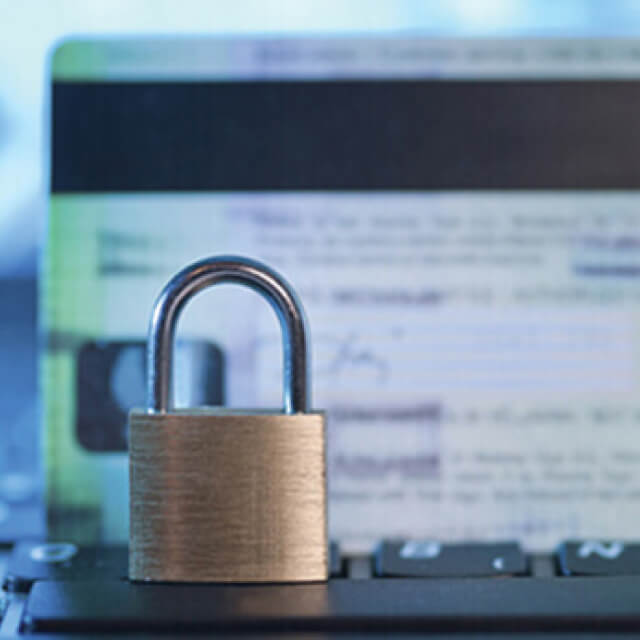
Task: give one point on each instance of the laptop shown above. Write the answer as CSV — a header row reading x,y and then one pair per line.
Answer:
x,y
459,218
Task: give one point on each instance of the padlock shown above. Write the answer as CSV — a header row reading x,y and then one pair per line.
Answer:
x,y
227,495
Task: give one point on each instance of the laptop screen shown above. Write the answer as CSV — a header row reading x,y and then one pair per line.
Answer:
x,y
460,219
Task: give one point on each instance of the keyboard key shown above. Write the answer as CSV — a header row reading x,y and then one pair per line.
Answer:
x,y
31,561
431,559
598,558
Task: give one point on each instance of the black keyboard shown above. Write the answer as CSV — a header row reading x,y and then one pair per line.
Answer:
x,y
584,589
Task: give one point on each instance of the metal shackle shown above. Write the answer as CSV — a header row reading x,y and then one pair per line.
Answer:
x,y
206,273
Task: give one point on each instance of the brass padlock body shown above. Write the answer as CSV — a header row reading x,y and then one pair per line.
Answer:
x,y
225,496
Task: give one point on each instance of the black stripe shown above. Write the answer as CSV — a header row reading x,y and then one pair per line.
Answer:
x,y
345,135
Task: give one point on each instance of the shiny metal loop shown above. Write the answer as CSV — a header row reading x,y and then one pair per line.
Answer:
x,y
206,273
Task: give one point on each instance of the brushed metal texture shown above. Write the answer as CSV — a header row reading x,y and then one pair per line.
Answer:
x,y
227,497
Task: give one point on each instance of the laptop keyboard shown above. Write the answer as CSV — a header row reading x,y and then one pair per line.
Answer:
x,y
404,586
